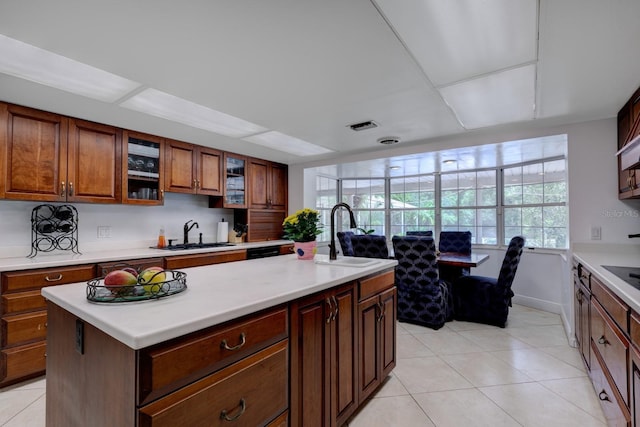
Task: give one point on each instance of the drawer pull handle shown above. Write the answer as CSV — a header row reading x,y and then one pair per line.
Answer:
x,y
602,340
335,312
603,396
224,414
225,346
329,302
381,308
56,279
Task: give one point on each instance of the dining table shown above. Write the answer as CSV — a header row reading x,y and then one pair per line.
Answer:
x,y
456,262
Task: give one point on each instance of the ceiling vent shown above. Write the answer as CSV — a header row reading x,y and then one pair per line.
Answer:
x,y
364,125
389,140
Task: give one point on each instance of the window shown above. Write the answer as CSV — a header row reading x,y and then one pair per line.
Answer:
x,y
469,203
367,198
413,204
535,198
326,198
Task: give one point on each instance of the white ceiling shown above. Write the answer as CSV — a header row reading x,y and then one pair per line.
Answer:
x,y
422,69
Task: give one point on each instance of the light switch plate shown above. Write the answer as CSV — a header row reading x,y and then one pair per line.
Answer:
x,y
596,232
104,231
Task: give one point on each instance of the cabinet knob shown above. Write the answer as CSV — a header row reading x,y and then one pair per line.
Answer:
x,y
63,189
70,188
604,396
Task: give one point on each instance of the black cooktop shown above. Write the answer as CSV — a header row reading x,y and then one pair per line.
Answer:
x,y
631,275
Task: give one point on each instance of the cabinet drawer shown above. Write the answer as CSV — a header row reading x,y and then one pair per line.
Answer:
x,y
20,362
612,345
615,412
634,329
23,301
616,308
168,366
36,279
286,249
376,284
22,328
105,268
185,261
252,391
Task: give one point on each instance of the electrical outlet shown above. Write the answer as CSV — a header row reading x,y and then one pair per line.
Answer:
x,y
104,231
596,232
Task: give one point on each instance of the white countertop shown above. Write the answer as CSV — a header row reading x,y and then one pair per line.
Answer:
x,y
215,294
61,259
593,257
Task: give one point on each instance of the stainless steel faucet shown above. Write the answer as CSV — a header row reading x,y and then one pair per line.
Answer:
x,y
352,224
187,228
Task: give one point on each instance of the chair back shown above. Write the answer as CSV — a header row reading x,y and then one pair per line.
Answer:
x,y
511,261
455,241
424,233
344,237
369,246
417,262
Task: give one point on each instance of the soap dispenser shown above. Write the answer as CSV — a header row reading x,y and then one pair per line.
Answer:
x,y
162,242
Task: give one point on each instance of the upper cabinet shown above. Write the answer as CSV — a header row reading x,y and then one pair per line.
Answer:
x,y
192,169
235,194
268,183
49,157
629,148
143,169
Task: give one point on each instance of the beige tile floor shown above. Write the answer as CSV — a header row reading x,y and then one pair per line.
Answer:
x,y
464,374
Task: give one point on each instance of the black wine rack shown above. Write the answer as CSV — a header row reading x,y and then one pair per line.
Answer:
x,y
54,228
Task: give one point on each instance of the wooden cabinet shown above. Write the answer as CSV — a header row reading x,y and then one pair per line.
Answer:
x,y
235,373
265,225
377,332
323,358
23,318
192,169
196,260
582,306
50,157
628,131
268,183
143,169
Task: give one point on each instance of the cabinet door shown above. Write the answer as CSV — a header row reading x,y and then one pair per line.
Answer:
x,y
209,181
142,169
33,154
278,188
369,366
180,172
310,351
258,195
94,170
388,331
235,194
343,347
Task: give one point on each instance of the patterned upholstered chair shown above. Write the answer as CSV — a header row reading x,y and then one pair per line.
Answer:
x,y
454,241
369,246
344,237
486,299
422,296
425,233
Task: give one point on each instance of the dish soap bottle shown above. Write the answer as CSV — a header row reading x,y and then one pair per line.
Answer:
x,y
162,242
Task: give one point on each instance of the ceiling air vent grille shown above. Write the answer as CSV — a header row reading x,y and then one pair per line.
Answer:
x,y
364,125
389,140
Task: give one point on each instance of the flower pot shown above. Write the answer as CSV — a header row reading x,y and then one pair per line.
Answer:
x,y
305,250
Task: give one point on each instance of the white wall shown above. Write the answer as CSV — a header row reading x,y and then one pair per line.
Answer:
x,y
131,226
543,279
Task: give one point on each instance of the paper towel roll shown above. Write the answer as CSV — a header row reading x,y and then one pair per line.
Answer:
x,y
223,232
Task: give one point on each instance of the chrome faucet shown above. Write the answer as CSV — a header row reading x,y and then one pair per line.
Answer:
x,y
352,224
187,228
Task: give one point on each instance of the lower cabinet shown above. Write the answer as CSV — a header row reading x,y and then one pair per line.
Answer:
x,y
323,358
377,332
582,306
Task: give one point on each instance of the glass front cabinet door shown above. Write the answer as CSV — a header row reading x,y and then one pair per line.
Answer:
x,y
142,162
235,184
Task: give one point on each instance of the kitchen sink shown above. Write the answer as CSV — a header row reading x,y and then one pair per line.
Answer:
x,y
181,247
347,261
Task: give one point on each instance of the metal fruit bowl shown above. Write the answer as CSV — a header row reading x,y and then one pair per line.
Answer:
x,y
175,282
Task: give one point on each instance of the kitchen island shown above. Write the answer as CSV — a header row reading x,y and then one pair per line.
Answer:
x,y
251,340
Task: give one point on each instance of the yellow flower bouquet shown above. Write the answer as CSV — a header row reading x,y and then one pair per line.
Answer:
x,y
302,226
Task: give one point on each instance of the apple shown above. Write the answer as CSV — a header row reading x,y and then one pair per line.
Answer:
x,y
117,278
150,277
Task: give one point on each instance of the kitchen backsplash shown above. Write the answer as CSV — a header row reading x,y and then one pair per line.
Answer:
x,y
130,226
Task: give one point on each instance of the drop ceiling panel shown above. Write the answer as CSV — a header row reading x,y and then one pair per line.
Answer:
x,y
457,40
